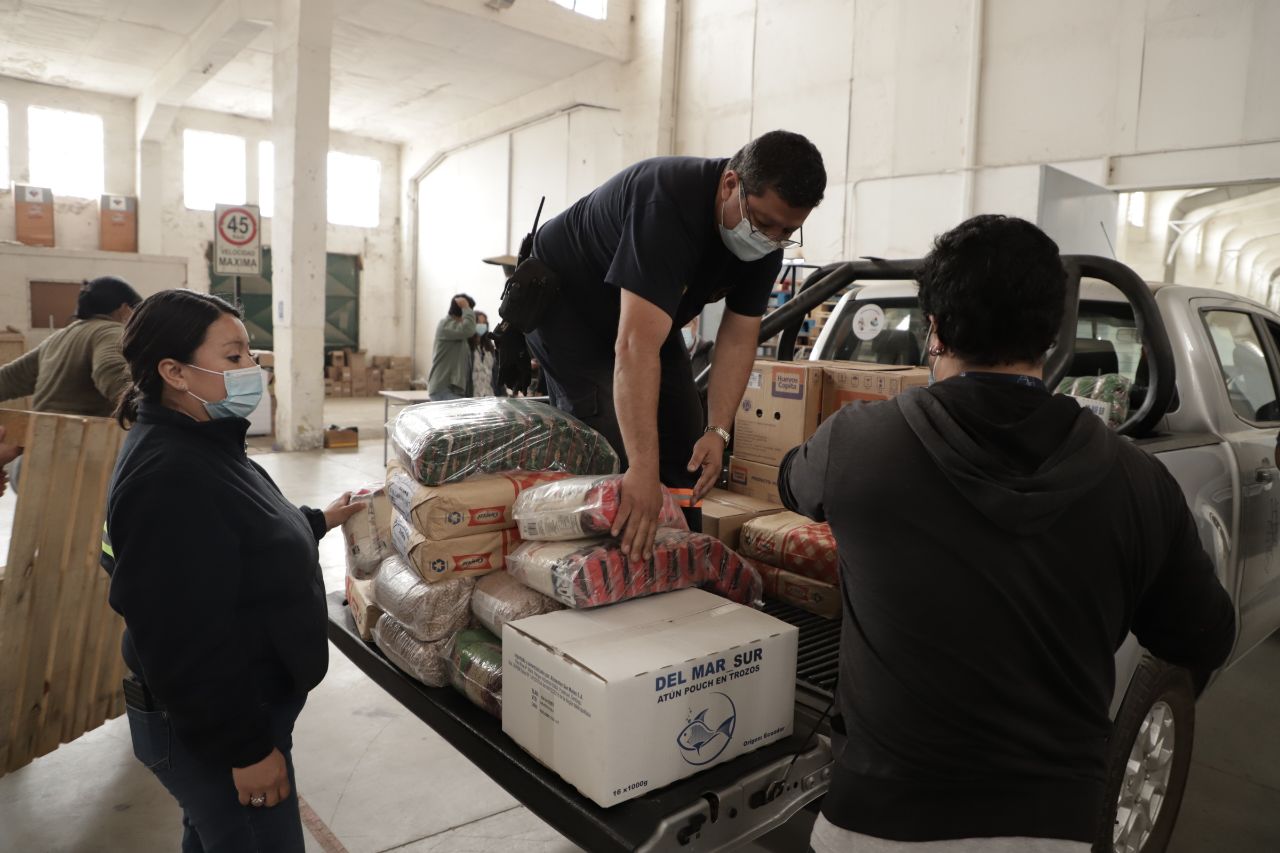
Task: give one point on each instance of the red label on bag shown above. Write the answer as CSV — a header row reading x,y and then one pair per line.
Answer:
x,y
472,562
488,515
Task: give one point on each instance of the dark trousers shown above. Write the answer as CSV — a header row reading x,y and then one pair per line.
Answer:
x,y
577,367
213,820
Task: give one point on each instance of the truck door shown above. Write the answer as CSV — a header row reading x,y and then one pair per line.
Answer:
x,y
1244,344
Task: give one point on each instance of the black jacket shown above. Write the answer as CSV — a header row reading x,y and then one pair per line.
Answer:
x,y
218,579
996,546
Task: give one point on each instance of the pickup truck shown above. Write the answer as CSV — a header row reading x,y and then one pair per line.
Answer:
x,y
1204,397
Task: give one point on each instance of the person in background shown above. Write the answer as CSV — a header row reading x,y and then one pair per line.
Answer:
x,y
217,577
997,543
484,361
450,377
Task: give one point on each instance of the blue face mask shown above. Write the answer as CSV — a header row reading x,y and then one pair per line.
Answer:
x,y
244,393
482,328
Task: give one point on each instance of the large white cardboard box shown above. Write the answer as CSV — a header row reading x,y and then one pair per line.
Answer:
x,y
625,699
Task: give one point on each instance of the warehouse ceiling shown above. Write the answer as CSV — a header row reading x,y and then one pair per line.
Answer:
x,y
401,68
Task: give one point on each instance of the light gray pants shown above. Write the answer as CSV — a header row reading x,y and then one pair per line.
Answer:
x,y
828,838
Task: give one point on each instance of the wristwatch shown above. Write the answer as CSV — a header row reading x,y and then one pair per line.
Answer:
x,y
720,431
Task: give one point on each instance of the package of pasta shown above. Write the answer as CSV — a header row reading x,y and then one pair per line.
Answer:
x,y
368,532
792,542
579,508
442,559
479,504
449,441
424,661
474,661
428,611
589,573
499,598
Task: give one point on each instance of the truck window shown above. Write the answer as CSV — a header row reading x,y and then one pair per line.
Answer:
x,y
1244,364
897,338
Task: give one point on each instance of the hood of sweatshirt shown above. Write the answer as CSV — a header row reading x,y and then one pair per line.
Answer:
x,y
1019,455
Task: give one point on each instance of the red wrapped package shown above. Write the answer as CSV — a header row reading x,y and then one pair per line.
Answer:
x,y
589,573
795,543
579,508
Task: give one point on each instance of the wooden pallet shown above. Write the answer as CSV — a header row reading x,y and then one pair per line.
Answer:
x,y
12,345
60,663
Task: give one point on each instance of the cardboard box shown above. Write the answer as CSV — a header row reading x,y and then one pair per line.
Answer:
x,y
478,504
335,438
357,362
724,513
363,611
395,379
118,223
625,699
781,408
33,220
754,479
851,382
792,542
338,358
465,556
820,599
380,361
400,362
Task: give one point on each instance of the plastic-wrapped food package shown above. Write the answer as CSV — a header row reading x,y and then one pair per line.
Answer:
x,y
428,611
793,542
442,559
474,660
368,532
579,508
589,573
821,599
446,442
424,661
364,611
479,504
499,598
1106,395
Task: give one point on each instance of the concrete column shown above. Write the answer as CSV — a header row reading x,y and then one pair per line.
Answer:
x,y
300,119
149,187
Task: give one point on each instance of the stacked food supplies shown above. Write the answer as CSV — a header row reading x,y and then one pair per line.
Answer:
x,y
800,561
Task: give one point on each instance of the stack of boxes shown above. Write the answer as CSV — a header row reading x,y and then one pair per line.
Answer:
x,y
353,373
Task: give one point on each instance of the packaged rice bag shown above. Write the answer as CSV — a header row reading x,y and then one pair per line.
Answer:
x,y
579,508
364,612
424,661
446,442
792,542
474,661
499,598
479,504
589,573
368,532
428,611
442,559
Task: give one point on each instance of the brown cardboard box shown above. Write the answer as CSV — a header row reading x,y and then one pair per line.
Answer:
x,y
466,556
357,362
344,388
363,611
118,223
781,408
346,375
338,358
850,382
400,362
724,513
754,479
380,361
33,208
337,438
395,379
821,599
375,382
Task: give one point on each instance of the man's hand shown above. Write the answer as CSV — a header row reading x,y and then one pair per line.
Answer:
x,y
340,510
708,455
638,513
268,778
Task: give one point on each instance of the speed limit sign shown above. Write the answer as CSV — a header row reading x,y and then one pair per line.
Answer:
x,y
237,240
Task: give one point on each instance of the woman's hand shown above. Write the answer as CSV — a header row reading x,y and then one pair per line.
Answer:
x,y
340,510
265,784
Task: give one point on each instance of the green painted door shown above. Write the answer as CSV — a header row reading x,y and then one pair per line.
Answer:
x,y
341,301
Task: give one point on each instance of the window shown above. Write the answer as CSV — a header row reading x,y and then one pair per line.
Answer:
x,y
1137,209
1244,364
266,178
355,185
66,151
213,169
4,146
597,9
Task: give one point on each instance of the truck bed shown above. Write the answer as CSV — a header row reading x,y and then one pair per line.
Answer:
x,y
716,809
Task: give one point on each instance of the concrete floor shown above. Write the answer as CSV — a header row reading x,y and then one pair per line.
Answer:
x,y
378,779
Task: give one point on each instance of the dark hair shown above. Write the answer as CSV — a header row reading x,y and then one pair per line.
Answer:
x,y
103,295
170,324
996,286
454,310
784,162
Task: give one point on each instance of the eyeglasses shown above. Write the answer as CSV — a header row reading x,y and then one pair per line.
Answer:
x,y
745,209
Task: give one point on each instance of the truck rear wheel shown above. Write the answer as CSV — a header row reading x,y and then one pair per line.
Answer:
x,y
1149,758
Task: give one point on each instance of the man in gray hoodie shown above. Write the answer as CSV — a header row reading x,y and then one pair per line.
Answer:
x,y
997,543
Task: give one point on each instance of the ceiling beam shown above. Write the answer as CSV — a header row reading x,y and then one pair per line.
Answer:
x,y
228,29
610,38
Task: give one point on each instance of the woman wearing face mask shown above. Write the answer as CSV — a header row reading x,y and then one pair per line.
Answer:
x,y
484,361
217,577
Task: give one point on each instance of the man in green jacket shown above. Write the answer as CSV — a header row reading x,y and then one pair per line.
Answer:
x,y
450,377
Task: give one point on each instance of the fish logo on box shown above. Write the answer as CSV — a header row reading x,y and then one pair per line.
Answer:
x,y
711,730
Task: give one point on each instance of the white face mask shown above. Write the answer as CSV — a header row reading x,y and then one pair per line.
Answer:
x,y
745,244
